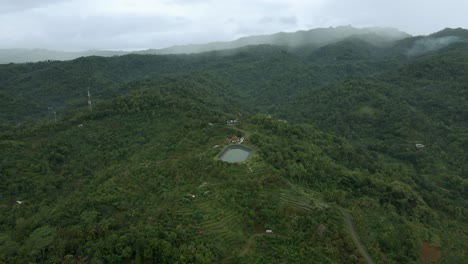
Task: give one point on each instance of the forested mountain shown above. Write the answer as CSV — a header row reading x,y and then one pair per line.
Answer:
x,y
359,152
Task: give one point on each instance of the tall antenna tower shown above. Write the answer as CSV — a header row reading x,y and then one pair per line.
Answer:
x,y
89,101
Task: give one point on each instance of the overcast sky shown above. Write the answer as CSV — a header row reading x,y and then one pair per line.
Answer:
x,y
141,24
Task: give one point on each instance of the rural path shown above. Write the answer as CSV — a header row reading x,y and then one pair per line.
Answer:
x,y
358,244
246,134
351,230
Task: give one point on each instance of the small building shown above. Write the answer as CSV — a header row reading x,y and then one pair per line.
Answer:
x,y
236,139
419,146
19,202
269,231
232,122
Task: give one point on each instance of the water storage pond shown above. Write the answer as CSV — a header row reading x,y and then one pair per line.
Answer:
x,y
235,153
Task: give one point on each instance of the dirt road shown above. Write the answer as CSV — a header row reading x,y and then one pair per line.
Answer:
x,y
358,244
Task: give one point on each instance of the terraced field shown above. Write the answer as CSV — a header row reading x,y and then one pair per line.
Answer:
x,y
257,169
228,226
297,201
221,225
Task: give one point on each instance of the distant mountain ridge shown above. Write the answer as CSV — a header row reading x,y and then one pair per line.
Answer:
x,y
36,55
313,38
456,32
310,39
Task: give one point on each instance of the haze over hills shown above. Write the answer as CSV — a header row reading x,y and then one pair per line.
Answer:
x,y
312,38
359,152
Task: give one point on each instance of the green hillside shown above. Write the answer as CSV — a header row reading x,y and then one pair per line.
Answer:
x,y
359,155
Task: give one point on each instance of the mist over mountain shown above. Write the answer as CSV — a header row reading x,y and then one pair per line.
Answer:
x,y
294,41
429,44
313,38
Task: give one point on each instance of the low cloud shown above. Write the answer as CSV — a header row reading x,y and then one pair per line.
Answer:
x,y
128,24
429,44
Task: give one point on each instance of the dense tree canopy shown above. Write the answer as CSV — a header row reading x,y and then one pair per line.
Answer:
x,y
350,127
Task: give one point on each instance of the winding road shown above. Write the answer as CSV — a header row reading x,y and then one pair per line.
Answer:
x,y
346,217
351,230
349,225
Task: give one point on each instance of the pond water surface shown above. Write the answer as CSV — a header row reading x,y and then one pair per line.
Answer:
x,y
236,153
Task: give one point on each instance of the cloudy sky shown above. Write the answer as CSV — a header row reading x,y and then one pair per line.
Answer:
x,y
139,24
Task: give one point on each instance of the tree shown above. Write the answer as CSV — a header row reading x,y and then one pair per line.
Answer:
x,y
39,240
